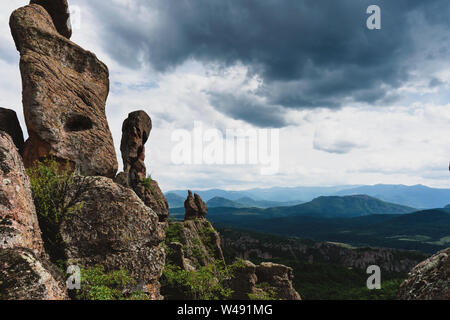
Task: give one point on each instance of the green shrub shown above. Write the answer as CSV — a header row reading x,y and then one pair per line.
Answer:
x,y
206,283
174,232
116,285
56,199
147,183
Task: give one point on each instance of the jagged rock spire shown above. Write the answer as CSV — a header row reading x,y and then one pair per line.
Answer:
x,y
135,133
64,95
195,207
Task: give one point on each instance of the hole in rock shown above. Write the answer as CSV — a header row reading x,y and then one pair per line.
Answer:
x,y
78,123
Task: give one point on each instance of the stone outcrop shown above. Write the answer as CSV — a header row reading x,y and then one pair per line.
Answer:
x,y
200,244
135,133
9,123
64,93
430,280
244,281
25,272
19,225
195,207
114,228
279,278
24,276
266,281
59,11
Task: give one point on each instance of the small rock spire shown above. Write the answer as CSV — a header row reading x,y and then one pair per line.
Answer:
x,y
195,207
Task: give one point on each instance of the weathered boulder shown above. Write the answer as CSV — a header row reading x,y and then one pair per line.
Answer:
x,y
154,198
19,225
64,93
10,124
243,282
135,133
59,11
114,228
195,207
23,276
176,255
430,280
25,272
279,278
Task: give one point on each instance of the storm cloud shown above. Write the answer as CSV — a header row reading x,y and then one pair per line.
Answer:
x,y
308,53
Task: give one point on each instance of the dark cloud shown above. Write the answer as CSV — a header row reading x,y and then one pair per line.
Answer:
x,y
250,109
310,53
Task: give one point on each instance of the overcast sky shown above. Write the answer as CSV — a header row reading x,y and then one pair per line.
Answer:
x,y
353,106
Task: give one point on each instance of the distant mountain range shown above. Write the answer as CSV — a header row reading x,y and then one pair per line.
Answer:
x,y
322,207
247,202
418,196
358,220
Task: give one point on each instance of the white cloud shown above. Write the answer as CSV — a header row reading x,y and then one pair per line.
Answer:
x,y
404,143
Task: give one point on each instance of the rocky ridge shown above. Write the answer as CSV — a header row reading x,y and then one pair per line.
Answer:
x,y
198,244
429,280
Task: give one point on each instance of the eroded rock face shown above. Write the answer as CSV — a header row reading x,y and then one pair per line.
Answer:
x,y
10,124
23,276
135,133
116,229
154,198
430,280
19,225
25,272
59,11
195,207
64,95
244,281
279,278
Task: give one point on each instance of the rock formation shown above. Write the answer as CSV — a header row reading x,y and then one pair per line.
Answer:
x,y
116,229
64,93
279,278
9,123
19,225
430,280
195,207
59,11
244,281
135,133
268,280
23,276
25,272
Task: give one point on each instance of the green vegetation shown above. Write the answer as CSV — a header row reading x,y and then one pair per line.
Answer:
x,y
96,284
425,231
174,232
147,183
208,237
205,283
265,293
57,190
321,281
325,278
